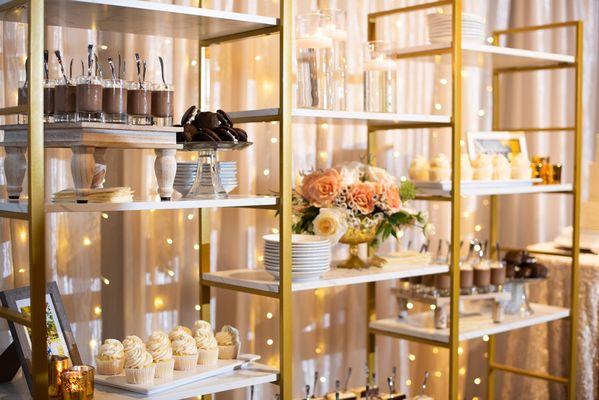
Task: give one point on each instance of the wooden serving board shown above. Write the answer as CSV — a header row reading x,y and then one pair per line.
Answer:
x,y
179,377
96,134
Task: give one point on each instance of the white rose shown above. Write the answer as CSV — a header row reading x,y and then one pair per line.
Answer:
x,y
429,230
350,172
376,174
331,223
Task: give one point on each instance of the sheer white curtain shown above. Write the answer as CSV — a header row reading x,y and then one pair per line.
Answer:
x,y
329,325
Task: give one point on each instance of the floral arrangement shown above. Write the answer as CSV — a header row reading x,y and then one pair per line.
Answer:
x,y
354,195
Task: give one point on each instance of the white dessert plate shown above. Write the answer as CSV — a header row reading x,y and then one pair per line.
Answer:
x,y
179,377
323,267
295,265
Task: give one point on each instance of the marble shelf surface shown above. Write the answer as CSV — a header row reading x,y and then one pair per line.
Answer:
x,y
254,374
473,326
259,279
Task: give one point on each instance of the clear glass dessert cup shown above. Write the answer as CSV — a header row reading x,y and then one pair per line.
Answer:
x,y
380,78
49,92
65,101
22,100
114,101
89,99
139,103
163,108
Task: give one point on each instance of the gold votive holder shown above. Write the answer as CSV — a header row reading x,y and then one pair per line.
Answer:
x,y
88,373
557,173
56,364
73,385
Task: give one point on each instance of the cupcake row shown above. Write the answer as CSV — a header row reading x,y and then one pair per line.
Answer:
x,y
93,98
161,354
484,167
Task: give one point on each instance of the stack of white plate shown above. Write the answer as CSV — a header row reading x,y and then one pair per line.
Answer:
x,y
439,28
311,256
187,171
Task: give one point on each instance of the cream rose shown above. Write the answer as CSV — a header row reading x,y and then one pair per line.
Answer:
x,y
350,172
331,223
376,174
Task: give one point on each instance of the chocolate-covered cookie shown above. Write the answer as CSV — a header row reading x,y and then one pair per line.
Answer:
x,y
187,134
225,133
224,118
188,115
242,135
206,119
208,135
515,257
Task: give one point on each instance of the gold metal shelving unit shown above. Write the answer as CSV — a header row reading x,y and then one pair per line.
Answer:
x,y
284,114
456,52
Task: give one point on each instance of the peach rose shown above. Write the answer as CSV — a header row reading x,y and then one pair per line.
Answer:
x,y
321,187
362,196
392,198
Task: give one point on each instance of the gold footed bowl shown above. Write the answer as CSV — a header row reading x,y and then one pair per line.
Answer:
x,y
354,237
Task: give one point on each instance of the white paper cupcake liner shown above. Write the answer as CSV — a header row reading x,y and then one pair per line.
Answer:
x,y
208,356
141,376
186,363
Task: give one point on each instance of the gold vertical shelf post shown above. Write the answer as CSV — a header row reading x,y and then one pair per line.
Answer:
x,y
37,225
285,200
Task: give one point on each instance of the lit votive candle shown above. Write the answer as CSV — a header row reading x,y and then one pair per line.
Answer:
x,y
56,364
88,373
73,385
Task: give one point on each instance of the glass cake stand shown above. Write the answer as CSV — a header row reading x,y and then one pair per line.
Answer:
x,y
519,304
207,183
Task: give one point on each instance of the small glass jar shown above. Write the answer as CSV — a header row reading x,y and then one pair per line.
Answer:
x,y
139,103
89,99
65,101
49,91
498,275
22,100
163,107
114,101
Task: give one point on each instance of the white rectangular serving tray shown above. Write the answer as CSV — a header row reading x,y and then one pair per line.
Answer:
x,y
179,377
446,185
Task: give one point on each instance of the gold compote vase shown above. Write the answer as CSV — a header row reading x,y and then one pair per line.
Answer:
x,y
354,237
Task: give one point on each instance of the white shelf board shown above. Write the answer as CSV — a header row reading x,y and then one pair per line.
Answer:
x,y
144,18
255,374
489,190
259,279
272,114
421,325
498,57
231,201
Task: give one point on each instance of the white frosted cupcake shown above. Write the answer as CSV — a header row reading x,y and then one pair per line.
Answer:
x,y
520,167
177,330
440,168
419,169
111,358
206,344
228,343
139,364
501,168
185,351
467,171
483,168
159,346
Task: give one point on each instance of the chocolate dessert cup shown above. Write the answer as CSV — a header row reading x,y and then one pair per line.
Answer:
x,y
163,97
114,101
65,101
22,100
89,99
139,103
49,91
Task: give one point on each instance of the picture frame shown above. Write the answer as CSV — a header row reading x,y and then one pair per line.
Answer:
x,y
61,340
496,142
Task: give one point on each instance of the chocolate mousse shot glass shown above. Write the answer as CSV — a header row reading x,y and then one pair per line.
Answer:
x,y
139,103
65,101
49,91
89,99
114,101
22,100
163,97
